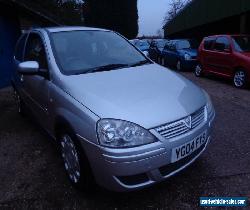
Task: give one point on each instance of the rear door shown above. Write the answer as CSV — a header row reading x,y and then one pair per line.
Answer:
x,y
222,58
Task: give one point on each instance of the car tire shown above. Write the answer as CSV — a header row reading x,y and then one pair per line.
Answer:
x,y
240,79
75,162
19,104
162,61
158,59
198,70
178,65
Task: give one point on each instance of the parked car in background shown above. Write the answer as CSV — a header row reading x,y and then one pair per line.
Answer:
x,y
181,54
226,56
119,119
142,45
134,41
155,49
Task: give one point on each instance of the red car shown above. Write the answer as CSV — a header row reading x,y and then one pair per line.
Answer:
x,y
227,56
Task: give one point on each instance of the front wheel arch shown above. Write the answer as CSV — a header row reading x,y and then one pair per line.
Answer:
x,y
62,126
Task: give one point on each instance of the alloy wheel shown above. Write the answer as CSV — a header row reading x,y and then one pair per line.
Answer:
x,y
178,65
198,70
71,159
239,79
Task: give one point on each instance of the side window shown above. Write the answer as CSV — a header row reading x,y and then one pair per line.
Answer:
x,y
153,44
222,44
208,43
35,51
20,48
166,47
172,46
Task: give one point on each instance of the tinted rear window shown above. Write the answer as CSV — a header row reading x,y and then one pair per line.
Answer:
x,y
208,43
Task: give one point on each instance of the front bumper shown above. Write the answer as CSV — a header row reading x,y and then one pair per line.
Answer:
x,y
136,168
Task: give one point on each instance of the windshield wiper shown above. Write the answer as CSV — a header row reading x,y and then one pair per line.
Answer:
x,y
107,67
140,63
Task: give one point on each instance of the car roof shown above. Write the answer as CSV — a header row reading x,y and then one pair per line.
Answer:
x,y
69,28
177,40
214,36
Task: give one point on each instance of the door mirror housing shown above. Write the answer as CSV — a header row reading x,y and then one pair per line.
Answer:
x,y
227,50
28,68
146,53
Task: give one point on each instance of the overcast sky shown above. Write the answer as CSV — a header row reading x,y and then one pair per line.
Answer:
x,y
151,15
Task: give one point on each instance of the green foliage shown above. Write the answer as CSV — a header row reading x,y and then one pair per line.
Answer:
x,y
66,12
117,15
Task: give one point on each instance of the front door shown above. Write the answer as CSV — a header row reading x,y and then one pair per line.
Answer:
x,y
35,87
222,56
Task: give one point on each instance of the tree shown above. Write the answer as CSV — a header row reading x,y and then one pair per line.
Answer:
x,y
160,33
66,12
117,15
175,6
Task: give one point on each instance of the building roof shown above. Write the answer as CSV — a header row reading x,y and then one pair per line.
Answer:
x,y
200,12
21,5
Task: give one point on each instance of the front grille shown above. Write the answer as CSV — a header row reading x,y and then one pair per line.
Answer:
x,y
182,126
198,118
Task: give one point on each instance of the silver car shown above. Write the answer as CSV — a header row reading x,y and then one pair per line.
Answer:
x,y
121,121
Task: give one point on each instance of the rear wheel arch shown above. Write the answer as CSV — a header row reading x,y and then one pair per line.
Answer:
x,y
238,68
246,80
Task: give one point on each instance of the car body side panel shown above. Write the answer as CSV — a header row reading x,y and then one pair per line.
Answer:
x,y
223,64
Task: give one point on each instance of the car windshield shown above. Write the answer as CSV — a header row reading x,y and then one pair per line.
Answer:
x,y
241,43
79,52
144,43
161,43
186,44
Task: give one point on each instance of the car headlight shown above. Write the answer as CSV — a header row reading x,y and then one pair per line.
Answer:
x,y
122,134
187,57
209,104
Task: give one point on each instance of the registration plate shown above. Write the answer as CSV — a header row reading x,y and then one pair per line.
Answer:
x,y
187,149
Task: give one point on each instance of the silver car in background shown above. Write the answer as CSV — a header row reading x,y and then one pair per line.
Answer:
x,y
121,120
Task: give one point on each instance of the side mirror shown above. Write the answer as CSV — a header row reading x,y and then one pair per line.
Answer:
x,y
227,50
146,53
28,68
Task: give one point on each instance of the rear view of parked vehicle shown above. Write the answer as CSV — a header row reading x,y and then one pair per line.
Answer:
x,y
227,56
155,49
142,45
180,54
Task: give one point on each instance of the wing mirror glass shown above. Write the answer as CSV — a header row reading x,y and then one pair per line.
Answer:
x,y
146,53
28,68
